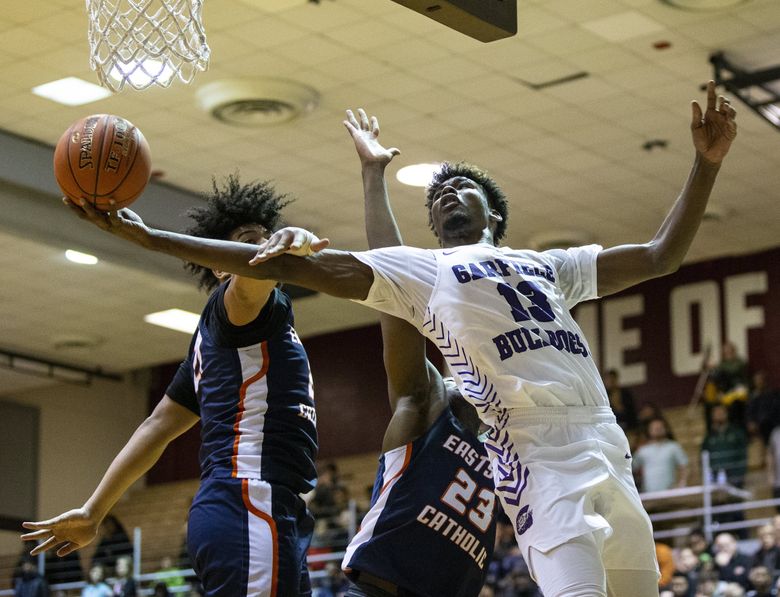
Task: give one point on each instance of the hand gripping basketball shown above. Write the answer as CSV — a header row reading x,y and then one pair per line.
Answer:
x,y
292,240
104,159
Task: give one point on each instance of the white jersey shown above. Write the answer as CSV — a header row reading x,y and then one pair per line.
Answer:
x,y
500,317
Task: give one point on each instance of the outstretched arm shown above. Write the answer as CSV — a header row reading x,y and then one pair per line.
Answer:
x,y
333,272
623,266
412,381
76,528
381,228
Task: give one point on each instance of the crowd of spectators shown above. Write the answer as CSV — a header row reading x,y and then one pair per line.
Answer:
x,y
330,504
722,568
737,407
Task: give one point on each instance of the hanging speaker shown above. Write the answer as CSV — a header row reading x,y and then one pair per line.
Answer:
x,y
485,20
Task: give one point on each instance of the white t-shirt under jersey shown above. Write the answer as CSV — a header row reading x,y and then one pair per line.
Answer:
x,y
500,317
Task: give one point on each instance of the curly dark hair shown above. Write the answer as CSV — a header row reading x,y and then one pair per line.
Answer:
x,y
495,195
228,207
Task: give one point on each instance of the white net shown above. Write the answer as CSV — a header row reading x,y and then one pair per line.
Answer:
x,y
141,43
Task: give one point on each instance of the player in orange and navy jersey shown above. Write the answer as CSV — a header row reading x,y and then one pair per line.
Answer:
x,y
247,379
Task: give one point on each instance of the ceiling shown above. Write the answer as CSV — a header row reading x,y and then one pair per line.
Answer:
x,y
569,156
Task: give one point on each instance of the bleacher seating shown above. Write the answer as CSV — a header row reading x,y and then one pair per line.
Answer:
x,y
160,511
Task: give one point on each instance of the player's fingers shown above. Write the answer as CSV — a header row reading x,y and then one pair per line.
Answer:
x,y
74,208
394,151
711,95
318,244
697,115
66,549
46,545
352,120
363,119
351,129
276,244
375,126
93,214
282,242
34,536
41,524
300,238
258,258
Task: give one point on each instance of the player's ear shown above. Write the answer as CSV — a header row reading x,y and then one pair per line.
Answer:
x,y
220,275
495,216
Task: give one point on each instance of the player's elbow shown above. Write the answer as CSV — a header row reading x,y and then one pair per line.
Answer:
x,y
660,261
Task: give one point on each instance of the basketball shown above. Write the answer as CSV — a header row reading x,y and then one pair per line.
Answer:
x,y
102,158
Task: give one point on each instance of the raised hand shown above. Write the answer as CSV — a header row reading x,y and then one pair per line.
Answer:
x,y
292,240
365,134
124,222
714,130
67,532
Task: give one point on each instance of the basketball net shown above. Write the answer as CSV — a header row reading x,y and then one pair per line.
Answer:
x,y
141,43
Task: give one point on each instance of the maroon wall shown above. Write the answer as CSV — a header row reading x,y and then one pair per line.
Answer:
x,y
734,298
350,391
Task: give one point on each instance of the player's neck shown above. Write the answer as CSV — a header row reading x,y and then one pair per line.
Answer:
x,y
458,238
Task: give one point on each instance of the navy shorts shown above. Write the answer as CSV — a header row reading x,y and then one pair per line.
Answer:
x,y
247,538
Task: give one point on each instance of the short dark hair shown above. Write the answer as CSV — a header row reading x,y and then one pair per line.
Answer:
x,y
228,207
495,195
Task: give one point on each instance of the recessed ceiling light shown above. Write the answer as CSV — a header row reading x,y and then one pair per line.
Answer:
x,y
141,74
174,319
558,239
623,26
71,91
417,175
79,257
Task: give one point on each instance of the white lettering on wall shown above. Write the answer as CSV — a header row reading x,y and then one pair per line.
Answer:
x,y
617,339
686,361
739,317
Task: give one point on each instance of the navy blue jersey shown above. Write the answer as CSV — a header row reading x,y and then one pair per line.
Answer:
x,y
431,526
252,389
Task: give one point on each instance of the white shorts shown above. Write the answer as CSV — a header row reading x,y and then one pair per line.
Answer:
x,y
561,473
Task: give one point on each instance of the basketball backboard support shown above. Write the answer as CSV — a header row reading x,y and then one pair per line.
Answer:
x,y
485,20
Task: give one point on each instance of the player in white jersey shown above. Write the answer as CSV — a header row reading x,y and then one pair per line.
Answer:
x,y
501,318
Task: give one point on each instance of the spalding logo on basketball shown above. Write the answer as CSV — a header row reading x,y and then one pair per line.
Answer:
x,y
102,158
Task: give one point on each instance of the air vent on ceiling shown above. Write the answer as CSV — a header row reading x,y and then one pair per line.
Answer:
x,y
703,4
714,213
73,342
257,102
552,82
